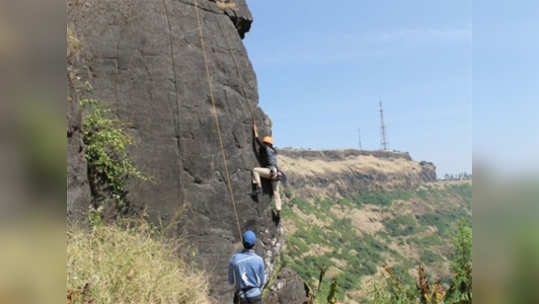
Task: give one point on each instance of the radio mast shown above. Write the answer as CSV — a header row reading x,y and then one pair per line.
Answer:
x,y
383,140
359,139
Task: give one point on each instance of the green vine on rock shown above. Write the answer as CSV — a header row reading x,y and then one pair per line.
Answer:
x,y
108,162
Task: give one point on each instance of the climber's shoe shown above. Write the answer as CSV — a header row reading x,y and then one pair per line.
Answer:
x,y
276,216
254,194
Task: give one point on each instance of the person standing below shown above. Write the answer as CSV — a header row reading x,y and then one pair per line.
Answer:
x,y
246,272
270,171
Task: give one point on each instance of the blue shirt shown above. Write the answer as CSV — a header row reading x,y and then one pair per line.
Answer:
x,y
246,269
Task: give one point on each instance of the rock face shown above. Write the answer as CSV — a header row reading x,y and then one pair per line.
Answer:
x,y
288,288
143,59
428,170
344,173
78,194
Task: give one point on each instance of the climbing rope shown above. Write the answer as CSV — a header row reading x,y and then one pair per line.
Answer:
x,y
177,124
217,124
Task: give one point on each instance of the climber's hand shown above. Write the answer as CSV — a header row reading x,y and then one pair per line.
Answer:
x,y
255,130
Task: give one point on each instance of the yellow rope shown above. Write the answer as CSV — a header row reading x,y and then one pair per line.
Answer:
x,y
217,125
181,170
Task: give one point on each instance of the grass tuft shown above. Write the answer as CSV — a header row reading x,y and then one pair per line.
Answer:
x,y
129,264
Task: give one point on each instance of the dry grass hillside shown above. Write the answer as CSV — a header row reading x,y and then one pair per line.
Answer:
x,y
338,175
131,263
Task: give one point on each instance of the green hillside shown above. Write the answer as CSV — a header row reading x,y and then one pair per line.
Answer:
x,y
354,238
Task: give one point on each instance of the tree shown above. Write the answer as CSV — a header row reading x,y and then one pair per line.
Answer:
x,y
398,291
461,265
109,166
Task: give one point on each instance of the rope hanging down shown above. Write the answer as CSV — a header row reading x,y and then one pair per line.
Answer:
x,y
217,125
177,123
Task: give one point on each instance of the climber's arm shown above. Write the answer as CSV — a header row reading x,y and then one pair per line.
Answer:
x,y
255,130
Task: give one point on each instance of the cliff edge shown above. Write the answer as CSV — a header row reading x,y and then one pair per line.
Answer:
x,y
144,59
345,173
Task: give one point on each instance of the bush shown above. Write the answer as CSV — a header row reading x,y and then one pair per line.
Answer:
x,y
461,264
302,205
109,166
375,198
371,267
401,225
132,264
381,198
443,220
428,257
401,288
297,245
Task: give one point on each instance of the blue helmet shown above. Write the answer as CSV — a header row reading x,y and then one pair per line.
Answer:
x,y
249,238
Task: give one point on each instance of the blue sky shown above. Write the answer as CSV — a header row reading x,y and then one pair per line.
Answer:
x,y
322,68
506,85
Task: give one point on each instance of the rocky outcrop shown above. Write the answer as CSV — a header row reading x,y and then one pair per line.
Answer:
x,y
239,14
334,155
143,59
288,288
428,171
345,173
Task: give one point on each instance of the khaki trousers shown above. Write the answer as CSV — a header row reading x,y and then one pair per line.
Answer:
x,y
266,173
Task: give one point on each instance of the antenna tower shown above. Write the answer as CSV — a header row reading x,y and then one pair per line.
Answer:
x,y
359,139
383,142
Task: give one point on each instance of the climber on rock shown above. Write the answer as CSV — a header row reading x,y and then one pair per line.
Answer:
x,y
246,272
270,171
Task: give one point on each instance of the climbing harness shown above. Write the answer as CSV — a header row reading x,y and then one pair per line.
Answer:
x,y
217,124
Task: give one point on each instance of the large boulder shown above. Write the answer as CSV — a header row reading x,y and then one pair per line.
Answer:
x,y
144,60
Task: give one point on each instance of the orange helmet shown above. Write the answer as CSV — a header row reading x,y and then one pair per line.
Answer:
x,y
267,140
